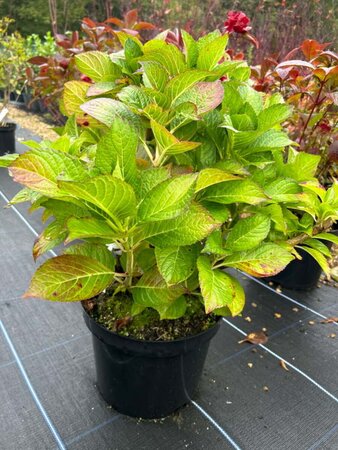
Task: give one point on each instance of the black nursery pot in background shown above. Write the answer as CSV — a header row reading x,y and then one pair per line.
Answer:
x,y
7,138
147,379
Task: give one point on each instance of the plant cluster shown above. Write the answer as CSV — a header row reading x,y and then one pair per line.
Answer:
x,y
167,176
310,85
48,73
13,59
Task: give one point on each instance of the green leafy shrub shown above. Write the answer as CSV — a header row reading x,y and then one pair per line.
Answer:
x,y
179,174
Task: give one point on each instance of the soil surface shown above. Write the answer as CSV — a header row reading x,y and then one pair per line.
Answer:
x,y
115,315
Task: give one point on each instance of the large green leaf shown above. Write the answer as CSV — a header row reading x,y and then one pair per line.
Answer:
x,y
273,115
269,140
168,199
89,227
241,191
190,227
156,74
152,291
176,264
69,278
283,190
108,194
219,289
209,177
105,110
210,54
40,170
266,260
248,233
98,66
327,237
99,252
168,55
182,82
74,95
118,145
150,178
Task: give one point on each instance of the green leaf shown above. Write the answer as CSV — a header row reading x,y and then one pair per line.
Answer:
x,y
319,257
40,170
69,278
74,95
89,227
301,166
247,142
105,194
211,176
6,160
266,260
251,96
118,145
215,244
150,178
98,252
219,289
248,233
190,49
168,55
182,82
157,75
327,237
318,245
98,66
135,96
106,110
174,310
168,143
205,95
151,291
241,191
209,55
273,115
218,211
54,234
187,229
207,39
283,190
168,199
145,258
176,264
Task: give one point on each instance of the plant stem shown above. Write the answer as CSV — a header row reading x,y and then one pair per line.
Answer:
x,y
315,103
129,265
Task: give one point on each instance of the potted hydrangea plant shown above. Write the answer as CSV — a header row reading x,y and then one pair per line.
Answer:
x,y
164,176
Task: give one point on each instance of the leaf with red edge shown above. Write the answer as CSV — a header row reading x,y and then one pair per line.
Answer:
x,y
115,21
144,26
131,17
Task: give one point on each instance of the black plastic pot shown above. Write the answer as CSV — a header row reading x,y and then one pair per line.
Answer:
x,y
147,379
7,138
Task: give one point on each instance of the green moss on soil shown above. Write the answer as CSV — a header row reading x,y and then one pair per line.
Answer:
x,y
115,315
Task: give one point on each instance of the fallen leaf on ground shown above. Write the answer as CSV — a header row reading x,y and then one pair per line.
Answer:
x,y
255,337
330,320
283,365
278,315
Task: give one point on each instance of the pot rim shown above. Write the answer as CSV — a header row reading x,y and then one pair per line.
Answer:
x,y
8,126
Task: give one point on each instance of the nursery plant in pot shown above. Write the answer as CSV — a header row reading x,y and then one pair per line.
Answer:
x,y
12,63
166,176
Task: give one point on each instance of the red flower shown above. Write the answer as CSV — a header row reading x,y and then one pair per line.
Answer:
x,y
237,21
